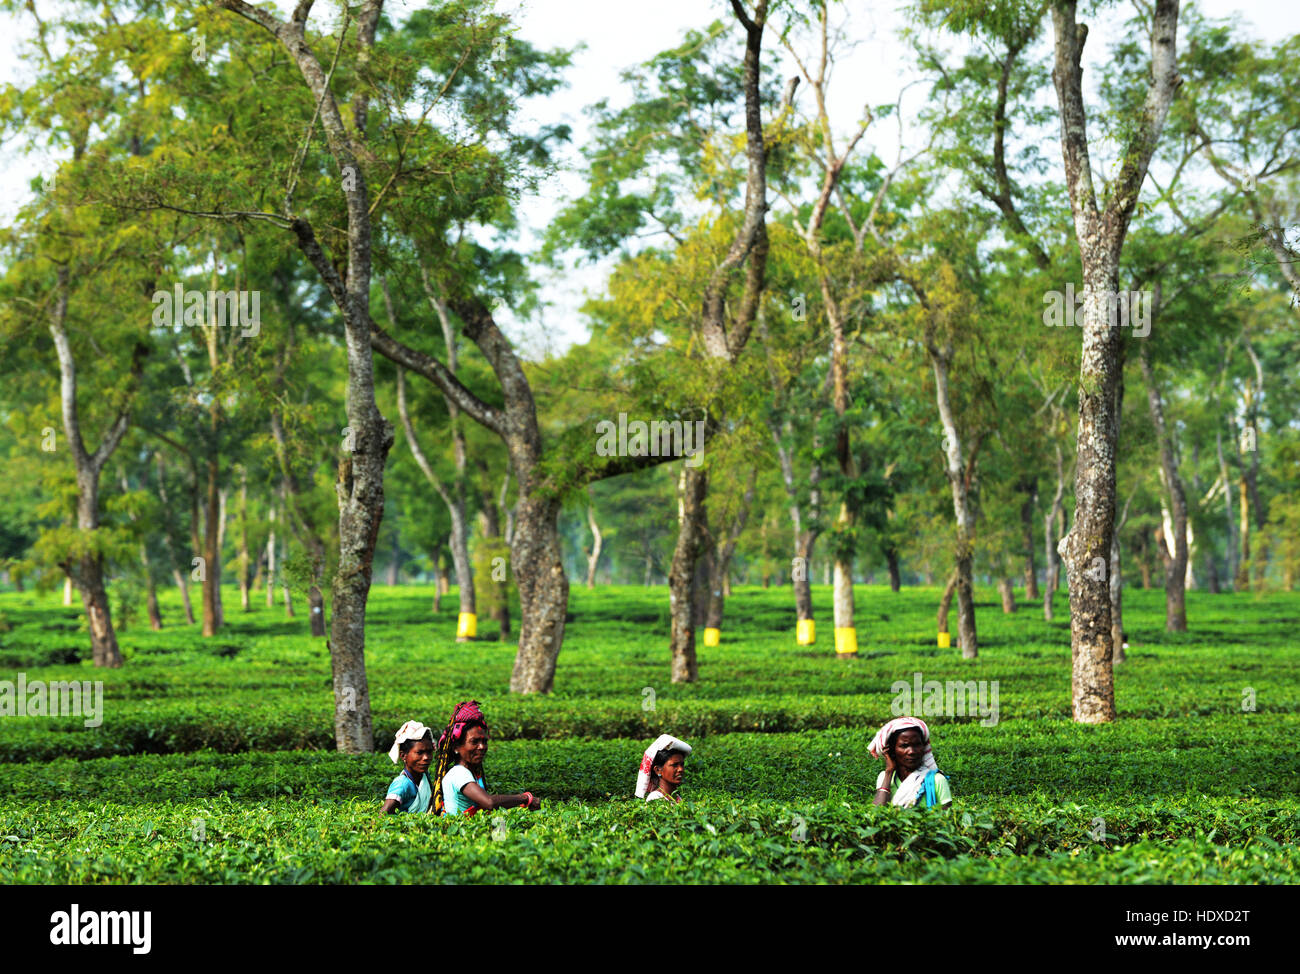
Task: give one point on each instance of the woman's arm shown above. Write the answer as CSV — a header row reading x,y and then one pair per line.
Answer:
x,y
390,806
882,794
491,802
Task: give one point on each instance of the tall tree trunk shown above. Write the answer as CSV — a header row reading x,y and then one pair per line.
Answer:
x,y
804,539
1212,573
1116,600
1118,639
1227,505
1008,595
286,594
1115,578
1051,520
1251,474
1242,582
222,520
960,472
1144,564
211,548
833,164
895,577
543,589
316,610
945,601
67,590
244,561
593,557
94,599
1086,548
508,516
182,581
703,574
1100,233
1211,569
717,600
360,485
1175,561
846,634
723,340
270,561
440,586
179,576
303,524
723,544
454,500
87,569
151,591
691,493
490,527
394,562
1261,519
1029,487
535,546
802,580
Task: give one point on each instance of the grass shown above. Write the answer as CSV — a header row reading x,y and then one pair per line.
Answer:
x,y
214,760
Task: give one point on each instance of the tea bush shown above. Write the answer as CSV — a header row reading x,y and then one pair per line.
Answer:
x,y
230,739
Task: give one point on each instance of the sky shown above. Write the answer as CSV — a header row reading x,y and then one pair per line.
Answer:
x,y
617,34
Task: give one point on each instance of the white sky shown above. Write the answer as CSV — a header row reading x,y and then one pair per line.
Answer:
x,y
618,35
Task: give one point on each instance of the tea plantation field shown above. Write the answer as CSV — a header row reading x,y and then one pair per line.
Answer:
x,y
213,762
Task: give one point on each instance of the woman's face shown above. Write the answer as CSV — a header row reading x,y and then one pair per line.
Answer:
x,y
673,770
909,749
419,756
474,749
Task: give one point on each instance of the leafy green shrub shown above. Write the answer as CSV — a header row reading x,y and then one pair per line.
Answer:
x,y
1187,786
718,840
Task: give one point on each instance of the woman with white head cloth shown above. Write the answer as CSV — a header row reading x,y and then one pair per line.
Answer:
x,y
662,768
911,775
411,791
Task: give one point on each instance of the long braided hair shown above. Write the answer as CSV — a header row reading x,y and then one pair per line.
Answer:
x,y
465,715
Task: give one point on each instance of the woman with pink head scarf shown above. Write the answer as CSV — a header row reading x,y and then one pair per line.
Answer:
x,y
458,786
911,773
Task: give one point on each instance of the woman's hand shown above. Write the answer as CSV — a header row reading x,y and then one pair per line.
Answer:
x,y
532,802
882,794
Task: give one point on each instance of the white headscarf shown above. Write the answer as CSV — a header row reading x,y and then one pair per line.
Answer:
x,y
412,730
910,789
664,742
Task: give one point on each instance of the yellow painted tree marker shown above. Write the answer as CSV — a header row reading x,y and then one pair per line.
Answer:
x,y
466,626
945,640
846,641
806,632
711,636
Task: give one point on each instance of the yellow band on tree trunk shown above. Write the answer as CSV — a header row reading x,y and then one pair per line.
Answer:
x,y
806,632
466,626
846,641
711,636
